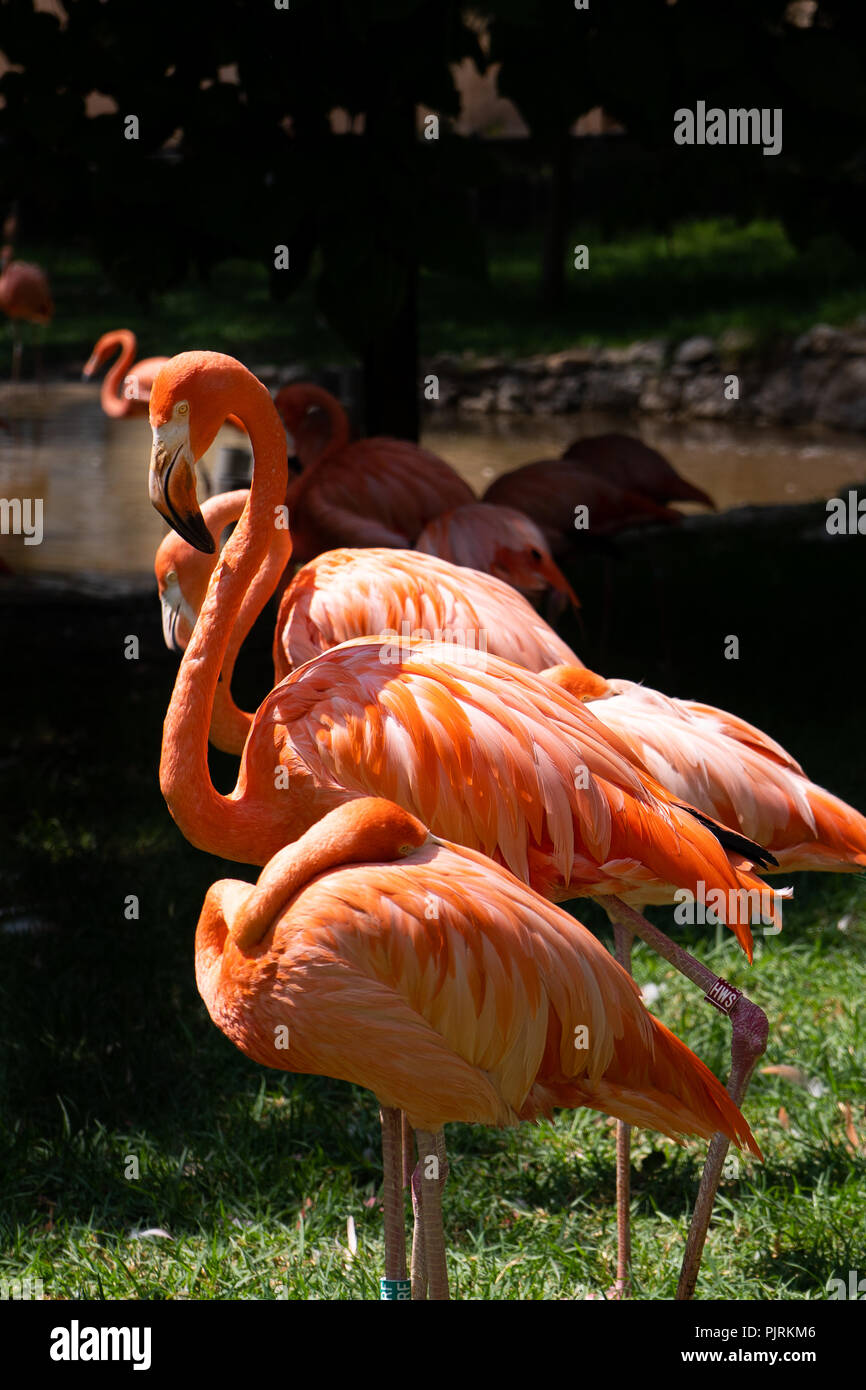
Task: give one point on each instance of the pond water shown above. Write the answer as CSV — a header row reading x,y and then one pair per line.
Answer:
x,y
91,472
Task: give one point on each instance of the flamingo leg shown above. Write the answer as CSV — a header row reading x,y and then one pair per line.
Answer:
x,y
419,1262
623,938
395,1234
747,1045
432,1172
408,1151
750,1030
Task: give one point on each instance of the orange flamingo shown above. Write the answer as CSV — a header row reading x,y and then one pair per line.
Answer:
x,y
729,769
497,1008
500,541
377,491
344,594
630,464
551,490
127,384
737,774
25,294
485,753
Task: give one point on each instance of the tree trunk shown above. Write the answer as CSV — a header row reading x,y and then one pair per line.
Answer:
x,y
555,254
390,363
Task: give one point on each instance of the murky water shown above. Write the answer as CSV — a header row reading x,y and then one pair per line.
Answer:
x,y
91,472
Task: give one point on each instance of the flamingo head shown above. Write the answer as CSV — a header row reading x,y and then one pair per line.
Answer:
x,y
182,583
314,420
189,401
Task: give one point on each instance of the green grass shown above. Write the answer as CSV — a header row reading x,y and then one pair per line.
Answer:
x,y
705,277
106,1051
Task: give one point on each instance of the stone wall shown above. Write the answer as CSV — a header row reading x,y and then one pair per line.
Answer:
x,y
820,377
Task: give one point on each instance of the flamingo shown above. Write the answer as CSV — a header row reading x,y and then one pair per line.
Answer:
x,y
630,464
127,385
497,1008
500,541
729,769
491,756
740,776
551,490
24,294
344,594
377,491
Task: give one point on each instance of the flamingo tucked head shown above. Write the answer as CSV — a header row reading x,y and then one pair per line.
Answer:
x,y
188,404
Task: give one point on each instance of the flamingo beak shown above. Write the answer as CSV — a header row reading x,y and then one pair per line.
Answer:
x,y
172,491
557,580
178,618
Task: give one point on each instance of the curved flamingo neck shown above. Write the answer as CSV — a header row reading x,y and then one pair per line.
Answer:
x,y
111,396
317,396
230,724
203,815
360,831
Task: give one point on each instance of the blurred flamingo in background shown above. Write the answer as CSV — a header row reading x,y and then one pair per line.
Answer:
x,y
344,594
126,388
550,490
630,464
498,1008
127,384
25,294
376,491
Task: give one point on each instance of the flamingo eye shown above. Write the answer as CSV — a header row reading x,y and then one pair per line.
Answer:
x,y
182,408
535,554
171,577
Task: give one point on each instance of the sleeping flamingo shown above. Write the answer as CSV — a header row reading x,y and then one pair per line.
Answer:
x,y
344,594
743,778
551,490
377,491
498,1008
489,755
500,541
127,385
630,464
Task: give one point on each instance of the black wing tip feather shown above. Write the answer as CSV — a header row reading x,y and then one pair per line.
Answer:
x,y
738,844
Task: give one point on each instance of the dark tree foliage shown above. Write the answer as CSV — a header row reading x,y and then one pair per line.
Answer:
x,y
252,164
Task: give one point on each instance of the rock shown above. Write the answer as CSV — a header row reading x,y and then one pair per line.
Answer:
x,y
558,395
641,354
704,397
660,393
693,350
819,338
557,362
842,403
779,396
511,395
618,390
482,404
